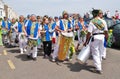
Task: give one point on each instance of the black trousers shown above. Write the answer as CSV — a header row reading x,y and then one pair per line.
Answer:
x,y
47,46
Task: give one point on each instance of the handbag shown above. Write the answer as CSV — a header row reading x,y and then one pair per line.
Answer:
x,y
54,38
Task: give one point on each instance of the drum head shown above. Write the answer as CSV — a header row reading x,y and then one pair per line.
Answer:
x,y
67,34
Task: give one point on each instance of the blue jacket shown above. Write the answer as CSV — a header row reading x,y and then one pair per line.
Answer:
x,y
80,26
28,29
62,25
4,24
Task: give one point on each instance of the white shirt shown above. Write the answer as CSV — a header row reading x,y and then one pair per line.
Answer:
x,y
58,23
15,25
93,29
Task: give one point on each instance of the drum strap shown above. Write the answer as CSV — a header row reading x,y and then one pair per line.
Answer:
x,y
65,22
32,28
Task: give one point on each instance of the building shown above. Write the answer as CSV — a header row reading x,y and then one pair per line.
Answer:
x,y
2,12
11,13
6,11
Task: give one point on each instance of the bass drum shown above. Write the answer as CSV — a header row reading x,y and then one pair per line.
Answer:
x,y
65,41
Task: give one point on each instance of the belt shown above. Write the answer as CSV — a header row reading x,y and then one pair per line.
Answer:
x,y
98,33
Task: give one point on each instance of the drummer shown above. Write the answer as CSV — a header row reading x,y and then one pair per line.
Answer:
x,y
52,25
98,29
103,53
55,40
40,26
64,25
1,43
6,24
46,37
72,46
22,39
82,31
32,30
12,33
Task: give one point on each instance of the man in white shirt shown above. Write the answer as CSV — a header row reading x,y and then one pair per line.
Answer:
x,y
98,29
104,52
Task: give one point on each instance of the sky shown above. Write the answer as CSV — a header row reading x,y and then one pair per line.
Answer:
x,y
56,7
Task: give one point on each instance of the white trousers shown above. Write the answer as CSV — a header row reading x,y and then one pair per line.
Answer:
x,y
32,51
22,44
56,48
97,47
104,53
55,52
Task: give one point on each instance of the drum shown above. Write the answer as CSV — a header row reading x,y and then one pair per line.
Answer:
x,y
22,38
83,33
4,36
65,41
84,54
13,36
4,31
32,42
67,34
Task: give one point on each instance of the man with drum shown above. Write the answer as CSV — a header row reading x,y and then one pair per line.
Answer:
x,y
55,40
5,29
103,53
81,26
98,30
64,26
12,33
32,31
21,36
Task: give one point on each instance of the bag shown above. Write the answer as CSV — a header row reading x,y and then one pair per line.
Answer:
x,y
54,38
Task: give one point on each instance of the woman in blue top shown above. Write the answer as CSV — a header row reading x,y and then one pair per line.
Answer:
x,y
82,31
46,37
21,36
